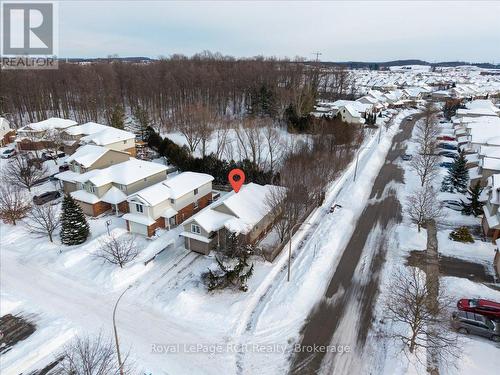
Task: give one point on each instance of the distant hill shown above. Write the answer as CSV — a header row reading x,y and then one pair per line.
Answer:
x,y
388,64
347,64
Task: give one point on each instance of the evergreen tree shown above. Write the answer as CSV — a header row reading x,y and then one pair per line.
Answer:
x,y
458,176
117,119
474,207
74,226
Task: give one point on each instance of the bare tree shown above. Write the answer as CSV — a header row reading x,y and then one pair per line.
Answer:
x,y
43,220
118,251
425,163
54,143
423,206
274,146
23,172
423,325
221,138
250,140
91,356
14,203
276,201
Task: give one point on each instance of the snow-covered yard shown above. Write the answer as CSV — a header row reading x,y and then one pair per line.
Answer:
x,y
67,290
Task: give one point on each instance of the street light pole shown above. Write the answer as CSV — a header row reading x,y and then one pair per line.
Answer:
x,y
120,364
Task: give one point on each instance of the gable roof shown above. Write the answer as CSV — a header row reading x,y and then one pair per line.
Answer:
x,y
49,124
248,207
87,155
87,128
124,173
107,135
173,188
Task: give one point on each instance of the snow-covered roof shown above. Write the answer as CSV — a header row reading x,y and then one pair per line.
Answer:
x,y
482,104
123,173
87,155
476,112
68,176
114,196
247,208
86,129
106,136
49,124
84,196
174,187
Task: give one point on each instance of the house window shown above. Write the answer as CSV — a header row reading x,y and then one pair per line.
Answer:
x,y
122,187
195,191
139,207
125,141
92,189
195,228
195,204
172,201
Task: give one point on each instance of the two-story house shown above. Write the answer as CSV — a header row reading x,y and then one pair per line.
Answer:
x,y
6,133
85,159
105,136
168,203
491,217
100,190
245,213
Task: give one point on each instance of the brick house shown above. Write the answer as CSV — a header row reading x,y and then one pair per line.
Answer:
x,y
100,190
168,203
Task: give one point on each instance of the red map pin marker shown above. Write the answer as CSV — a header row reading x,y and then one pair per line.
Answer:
x,y
236,178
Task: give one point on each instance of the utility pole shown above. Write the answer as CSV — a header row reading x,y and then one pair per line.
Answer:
x,y
318,54
120,364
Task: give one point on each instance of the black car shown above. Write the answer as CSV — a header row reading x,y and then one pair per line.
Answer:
x,y
447,146
448,154
46,197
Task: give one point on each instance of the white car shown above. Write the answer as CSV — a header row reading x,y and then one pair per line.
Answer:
x,y
453,205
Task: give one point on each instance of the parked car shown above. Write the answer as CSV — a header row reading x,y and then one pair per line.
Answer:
x,y
446,138
447,146
484,307
51,156
448,154
446,164
453,205
46,197
406,157
7,154
63,168
468,322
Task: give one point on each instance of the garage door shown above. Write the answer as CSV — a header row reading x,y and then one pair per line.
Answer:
x,y
138,228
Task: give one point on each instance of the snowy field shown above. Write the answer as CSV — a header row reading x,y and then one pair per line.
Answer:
x,y
478,355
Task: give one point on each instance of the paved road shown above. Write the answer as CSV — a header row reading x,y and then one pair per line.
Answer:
x,y
344,290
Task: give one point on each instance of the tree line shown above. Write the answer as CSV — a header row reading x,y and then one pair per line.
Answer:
x,y
164,88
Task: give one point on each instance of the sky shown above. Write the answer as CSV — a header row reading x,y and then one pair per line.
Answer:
x,y
340,30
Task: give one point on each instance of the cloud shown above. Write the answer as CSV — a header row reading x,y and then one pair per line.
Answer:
x,y
354,30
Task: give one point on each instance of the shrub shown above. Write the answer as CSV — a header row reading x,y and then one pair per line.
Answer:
x,y
461,234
